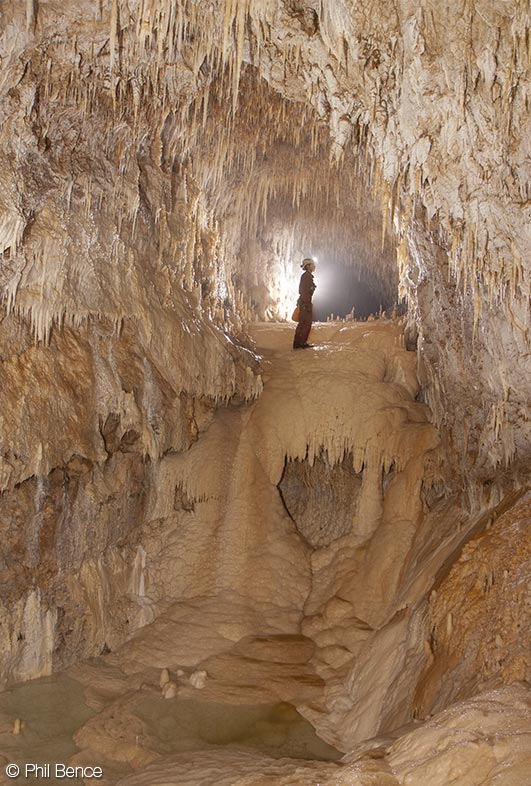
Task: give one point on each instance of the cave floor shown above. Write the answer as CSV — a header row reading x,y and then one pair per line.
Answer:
x,y
213,683
239,726
209,692
238,699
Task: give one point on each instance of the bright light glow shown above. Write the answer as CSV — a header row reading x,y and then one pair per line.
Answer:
x,y
326,284
285,288
286,271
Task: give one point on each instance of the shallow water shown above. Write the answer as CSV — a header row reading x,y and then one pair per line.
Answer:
x,y
51,709
278,730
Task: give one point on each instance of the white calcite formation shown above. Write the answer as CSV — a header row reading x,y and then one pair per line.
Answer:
x,y
264,623
339,534
140,144
468,744
90,420
243,607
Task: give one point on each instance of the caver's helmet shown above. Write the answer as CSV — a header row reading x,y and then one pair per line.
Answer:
x,y
308,263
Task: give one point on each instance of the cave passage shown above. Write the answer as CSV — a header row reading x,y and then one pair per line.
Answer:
x,y
238,561
342,291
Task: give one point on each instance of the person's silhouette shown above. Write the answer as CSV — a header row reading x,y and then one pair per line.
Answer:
x,y
306,290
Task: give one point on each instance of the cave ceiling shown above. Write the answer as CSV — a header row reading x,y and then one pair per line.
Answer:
x,y
206,145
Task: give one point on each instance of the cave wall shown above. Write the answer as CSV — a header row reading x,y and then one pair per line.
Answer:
x,y
86,421
478,613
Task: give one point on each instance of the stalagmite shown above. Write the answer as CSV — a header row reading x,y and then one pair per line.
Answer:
x,y
170,690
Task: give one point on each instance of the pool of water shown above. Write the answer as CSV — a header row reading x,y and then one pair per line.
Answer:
x,y
277,730
51,710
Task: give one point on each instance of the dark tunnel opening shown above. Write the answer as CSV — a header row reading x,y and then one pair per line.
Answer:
x,y
342,292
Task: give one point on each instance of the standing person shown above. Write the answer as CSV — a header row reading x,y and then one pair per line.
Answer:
x,y
306,290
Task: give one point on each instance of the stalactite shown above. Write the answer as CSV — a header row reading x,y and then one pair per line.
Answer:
x,y
31,15
113,39
214,132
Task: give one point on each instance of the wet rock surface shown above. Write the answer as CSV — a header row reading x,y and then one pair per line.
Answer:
x,y
163,167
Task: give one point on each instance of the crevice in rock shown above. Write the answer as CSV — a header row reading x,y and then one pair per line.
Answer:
x,y
321,499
